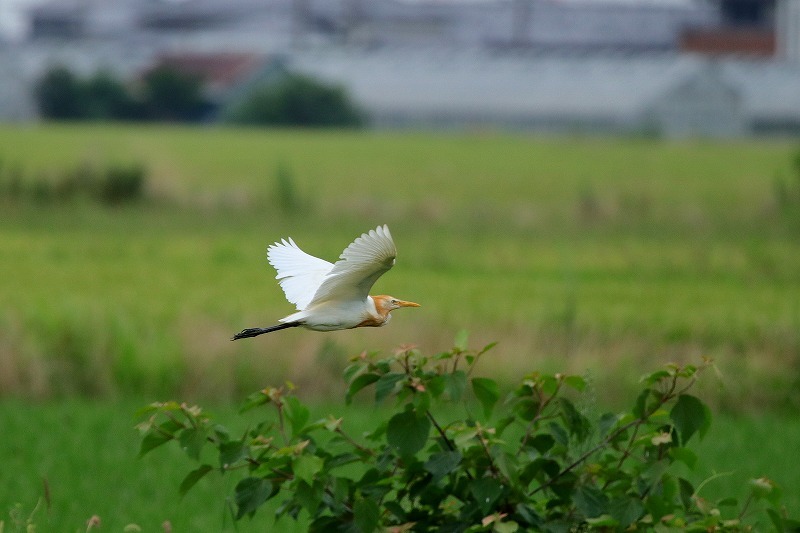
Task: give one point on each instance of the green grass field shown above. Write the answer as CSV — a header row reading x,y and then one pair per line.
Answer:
x,y
86,453
609,257
605,257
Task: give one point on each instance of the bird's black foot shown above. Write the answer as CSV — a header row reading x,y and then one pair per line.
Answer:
x,y
249,332
252,332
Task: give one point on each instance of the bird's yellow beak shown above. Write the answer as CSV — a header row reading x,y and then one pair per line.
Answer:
x,y
403,303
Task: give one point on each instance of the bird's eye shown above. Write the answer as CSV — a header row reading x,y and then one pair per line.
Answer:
x,y
394,301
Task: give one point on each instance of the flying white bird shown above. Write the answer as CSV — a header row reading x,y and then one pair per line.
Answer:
x,y
334,296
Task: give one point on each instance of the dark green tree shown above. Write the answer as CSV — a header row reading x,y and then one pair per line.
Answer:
x,y
61,95
110,99
299,100
169,94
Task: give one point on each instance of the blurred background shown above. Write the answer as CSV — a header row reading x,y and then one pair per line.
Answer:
x,y
673,68
600,186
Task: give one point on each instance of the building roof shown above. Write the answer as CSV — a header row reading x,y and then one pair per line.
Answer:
x,y
218,71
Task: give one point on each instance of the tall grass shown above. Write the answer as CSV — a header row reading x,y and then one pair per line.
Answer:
x,y
587,255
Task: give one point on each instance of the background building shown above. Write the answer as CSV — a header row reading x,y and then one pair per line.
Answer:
x,y
661,67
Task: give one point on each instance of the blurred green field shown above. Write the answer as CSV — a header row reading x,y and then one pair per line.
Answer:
x,y
607,257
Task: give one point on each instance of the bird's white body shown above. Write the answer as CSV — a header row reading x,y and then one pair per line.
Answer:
x,y
333,296
330,316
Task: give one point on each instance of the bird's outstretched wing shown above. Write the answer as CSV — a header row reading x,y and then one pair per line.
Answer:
x,y
299,273
360,264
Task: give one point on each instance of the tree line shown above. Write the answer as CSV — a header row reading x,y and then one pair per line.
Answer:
x,y
166,94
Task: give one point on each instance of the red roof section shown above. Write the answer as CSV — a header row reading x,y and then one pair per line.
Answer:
x,y
218,71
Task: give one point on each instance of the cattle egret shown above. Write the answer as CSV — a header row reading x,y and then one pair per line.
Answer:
x,y
334,296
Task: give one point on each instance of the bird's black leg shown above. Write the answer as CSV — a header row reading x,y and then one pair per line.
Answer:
x,y
253,332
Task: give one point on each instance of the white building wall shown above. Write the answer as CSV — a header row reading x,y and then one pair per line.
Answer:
x,y
787,20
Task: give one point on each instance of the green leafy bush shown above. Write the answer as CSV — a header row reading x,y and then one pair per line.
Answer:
x,y
456,454
298,100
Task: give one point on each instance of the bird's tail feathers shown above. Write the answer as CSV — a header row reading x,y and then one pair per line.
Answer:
x,y
254,332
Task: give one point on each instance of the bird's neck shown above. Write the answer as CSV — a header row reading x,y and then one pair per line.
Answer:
x,y
377,315
378,309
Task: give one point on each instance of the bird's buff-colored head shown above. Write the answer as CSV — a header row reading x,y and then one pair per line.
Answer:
x,y
386,303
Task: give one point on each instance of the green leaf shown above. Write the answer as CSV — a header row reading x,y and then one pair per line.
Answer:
x,y
253,400
690,415
686,492
231,452
296,414
421,401
576,423
542,442
192,440
730,501
354,369
487,348
250,493
486,491
505,527
502,424
507,463
342,459
309,496
152,440
359,383
603,521
777,520
549,384
607,421
158,435
590,501
222,433
442,463
576,382
366,515
386,384
336,495
538,466
396,509
455,384
526,408
655,377
641,403
193,477
436,385
488,392
149,409
626,510
530,516
462,340
560,435
306,467
408,432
